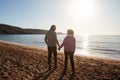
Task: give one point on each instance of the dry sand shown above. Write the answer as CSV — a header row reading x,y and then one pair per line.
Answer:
x,y
20,62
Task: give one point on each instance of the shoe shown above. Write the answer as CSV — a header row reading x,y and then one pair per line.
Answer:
x,y
64,72
49,68
55,66
73,74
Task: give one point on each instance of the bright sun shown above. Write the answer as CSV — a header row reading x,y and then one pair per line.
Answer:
x,y
82,8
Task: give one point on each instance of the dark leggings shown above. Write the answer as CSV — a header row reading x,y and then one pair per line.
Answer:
x,y
54,51
70,55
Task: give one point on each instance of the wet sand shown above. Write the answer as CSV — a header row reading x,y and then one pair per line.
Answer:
x,y
21,62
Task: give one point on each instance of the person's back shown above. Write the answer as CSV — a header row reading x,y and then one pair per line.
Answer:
x,y
69,44
52,42
51,37
69,49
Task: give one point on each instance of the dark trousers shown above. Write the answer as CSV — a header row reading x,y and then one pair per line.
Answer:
x,y
70,55
50,51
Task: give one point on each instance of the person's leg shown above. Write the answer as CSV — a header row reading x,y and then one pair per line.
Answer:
x,y
65,63
55,56
72,62
49,56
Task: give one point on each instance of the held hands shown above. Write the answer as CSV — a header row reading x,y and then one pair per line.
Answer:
x,y
59,48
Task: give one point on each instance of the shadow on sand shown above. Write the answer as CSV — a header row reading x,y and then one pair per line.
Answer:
x,y
70,77
47,73
44,75
61,76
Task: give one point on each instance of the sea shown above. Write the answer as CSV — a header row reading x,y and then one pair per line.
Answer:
x,y
99,46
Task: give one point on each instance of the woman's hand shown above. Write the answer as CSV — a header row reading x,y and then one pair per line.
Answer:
x,y
59,48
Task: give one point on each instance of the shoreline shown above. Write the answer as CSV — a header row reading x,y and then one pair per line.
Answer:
x,y
27,62
76,54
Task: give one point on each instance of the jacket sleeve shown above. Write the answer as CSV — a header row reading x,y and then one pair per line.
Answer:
x,y
45,39
56,39
63,43
74,44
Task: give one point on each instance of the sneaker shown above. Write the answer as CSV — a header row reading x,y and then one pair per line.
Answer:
x,y
64,72
49,68
55,66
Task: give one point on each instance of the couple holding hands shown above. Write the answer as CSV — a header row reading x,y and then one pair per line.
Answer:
x,y
68,44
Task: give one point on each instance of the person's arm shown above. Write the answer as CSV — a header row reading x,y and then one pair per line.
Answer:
x,y
45,39
74,44
61,45
56,40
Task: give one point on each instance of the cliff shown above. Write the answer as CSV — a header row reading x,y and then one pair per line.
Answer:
x,y
8,29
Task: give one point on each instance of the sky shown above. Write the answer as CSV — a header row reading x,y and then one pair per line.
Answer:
x,y
85,17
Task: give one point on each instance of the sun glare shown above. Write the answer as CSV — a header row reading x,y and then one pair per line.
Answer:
x,y
82,8
85,42
85,49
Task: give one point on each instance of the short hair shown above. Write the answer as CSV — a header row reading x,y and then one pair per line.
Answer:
x,y
70,32
52,27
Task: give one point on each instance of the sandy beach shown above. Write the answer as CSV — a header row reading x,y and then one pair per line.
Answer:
x,y
22,62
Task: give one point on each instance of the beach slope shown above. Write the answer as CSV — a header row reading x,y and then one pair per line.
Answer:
x,y
21,62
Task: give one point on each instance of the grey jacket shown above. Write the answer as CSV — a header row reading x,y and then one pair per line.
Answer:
x,y
51,38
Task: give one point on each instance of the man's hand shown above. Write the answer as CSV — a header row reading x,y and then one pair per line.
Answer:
x,y
59,48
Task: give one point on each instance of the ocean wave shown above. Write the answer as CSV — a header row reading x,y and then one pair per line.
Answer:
x,y
109,50
106,42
